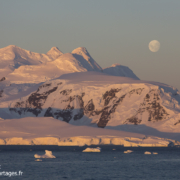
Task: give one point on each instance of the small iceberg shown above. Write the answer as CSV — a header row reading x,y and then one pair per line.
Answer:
x,y
155,153
38,160
98,149
147,152
48,154
128,151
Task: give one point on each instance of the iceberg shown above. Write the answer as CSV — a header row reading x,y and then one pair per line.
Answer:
x,y
147,152
38,160
128,151
98,149
48,154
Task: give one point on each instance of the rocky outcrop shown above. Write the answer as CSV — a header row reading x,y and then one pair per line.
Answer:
x,y
177,123
2,79
34,102
152,106
1,91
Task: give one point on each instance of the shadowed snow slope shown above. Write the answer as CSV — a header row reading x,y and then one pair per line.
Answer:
x,y
82,52
49,131
119,70
47,126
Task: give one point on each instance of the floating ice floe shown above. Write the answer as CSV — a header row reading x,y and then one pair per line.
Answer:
x,y
38,160
48,154
128,151
147,152
98,149
155,153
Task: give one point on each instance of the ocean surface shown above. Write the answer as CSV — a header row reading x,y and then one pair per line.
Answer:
x,y
18,162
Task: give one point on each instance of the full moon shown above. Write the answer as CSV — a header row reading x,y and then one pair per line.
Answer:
x,y
154,46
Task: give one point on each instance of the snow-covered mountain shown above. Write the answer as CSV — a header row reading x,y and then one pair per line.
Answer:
x,y
73,88
22,66
119,70
100,100
15,56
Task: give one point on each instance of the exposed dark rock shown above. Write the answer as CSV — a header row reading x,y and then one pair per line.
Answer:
x,y
105,116
59,83
147,97
49,113
152,105
66,92
35,111
134,120
69,107
19,104
2,79
177,123
79,115
1,91
42,86
108,111
89,108
109,95
70,99
16,110
34,103
80,112
137,91
37,100
66,115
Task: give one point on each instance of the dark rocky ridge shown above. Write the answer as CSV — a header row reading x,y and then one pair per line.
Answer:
x,y
34,102
1,91
2,79
151,105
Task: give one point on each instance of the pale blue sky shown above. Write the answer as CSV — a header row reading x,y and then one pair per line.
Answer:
x,y
113,31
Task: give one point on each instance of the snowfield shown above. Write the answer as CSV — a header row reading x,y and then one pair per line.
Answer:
x,y
68,99
50,131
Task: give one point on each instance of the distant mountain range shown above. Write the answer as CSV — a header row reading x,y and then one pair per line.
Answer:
x,y
24,66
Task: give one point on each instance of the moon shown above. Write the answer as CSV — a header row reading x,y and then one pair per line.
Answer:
x,y
154,46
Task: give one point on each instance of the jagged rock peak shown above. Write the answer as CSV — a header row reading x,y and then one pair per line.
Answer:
x,y
80,50
54,49
54,53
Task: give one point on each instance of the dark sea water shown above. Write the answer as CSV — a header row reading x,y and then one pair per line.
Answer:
x,y
72,164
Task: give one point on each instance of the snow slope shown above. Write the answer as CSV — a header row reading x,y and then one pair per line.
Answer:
x,y
15,56
119,70
49,131
21,66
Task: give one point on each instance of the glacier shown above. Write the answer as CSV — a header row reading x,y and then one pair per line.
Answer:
x,y
50,131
